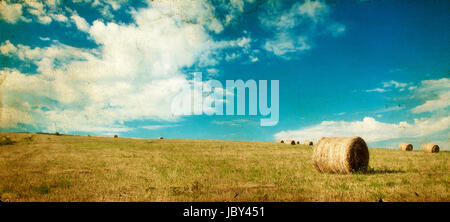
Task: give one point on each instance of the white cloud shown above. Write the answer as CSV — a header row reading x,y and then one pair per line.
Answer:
x,y
7,48
397,85
240,46
376,90
253,58
369,129
311,16
434,86
337,29
431,105
10,116
44,11
156,127
45,58
313,9
80,22
10,12
133,75
235,8
412,87
59,17
394,84
284,43
298,14
105,7
36,8
212,72
436,94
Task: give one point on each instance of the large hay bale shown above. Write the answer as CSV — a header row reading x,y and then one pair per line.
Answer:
x,y
280,141
405,147
115,136
341,155
308,143
290,142
430,148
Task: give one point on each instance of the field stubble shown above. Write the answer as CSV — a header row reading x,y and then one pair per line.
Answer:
x,y
40,167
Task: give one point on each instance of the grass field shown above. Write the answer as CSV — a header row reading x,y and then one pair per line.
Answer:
x,y
39,167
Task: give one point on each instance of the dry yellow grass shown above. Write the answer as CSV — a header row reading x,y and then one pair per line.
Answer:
x,y
80,168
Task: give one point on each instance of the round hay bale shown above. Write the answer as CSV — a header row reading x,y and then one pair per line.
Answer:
x,y
115,136
405,147
160,138
341,155
430,148
308,143
280,141
298,142
290,142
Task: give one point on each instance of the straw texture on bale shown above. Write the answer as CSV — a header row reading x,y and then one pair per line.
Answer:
x,y
430,148
291,142
280,141
405,147
341,155
308,143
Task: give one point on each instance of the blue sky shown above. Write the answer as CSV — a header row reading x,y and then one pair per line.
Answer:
x,y
377,69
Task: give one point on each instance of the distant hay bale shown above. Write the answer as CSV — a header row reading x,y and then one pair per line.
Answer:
x,y
57,133
430,148
115,136
280,141
341,155
160,138
405,147
291,142
308,143
298,142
